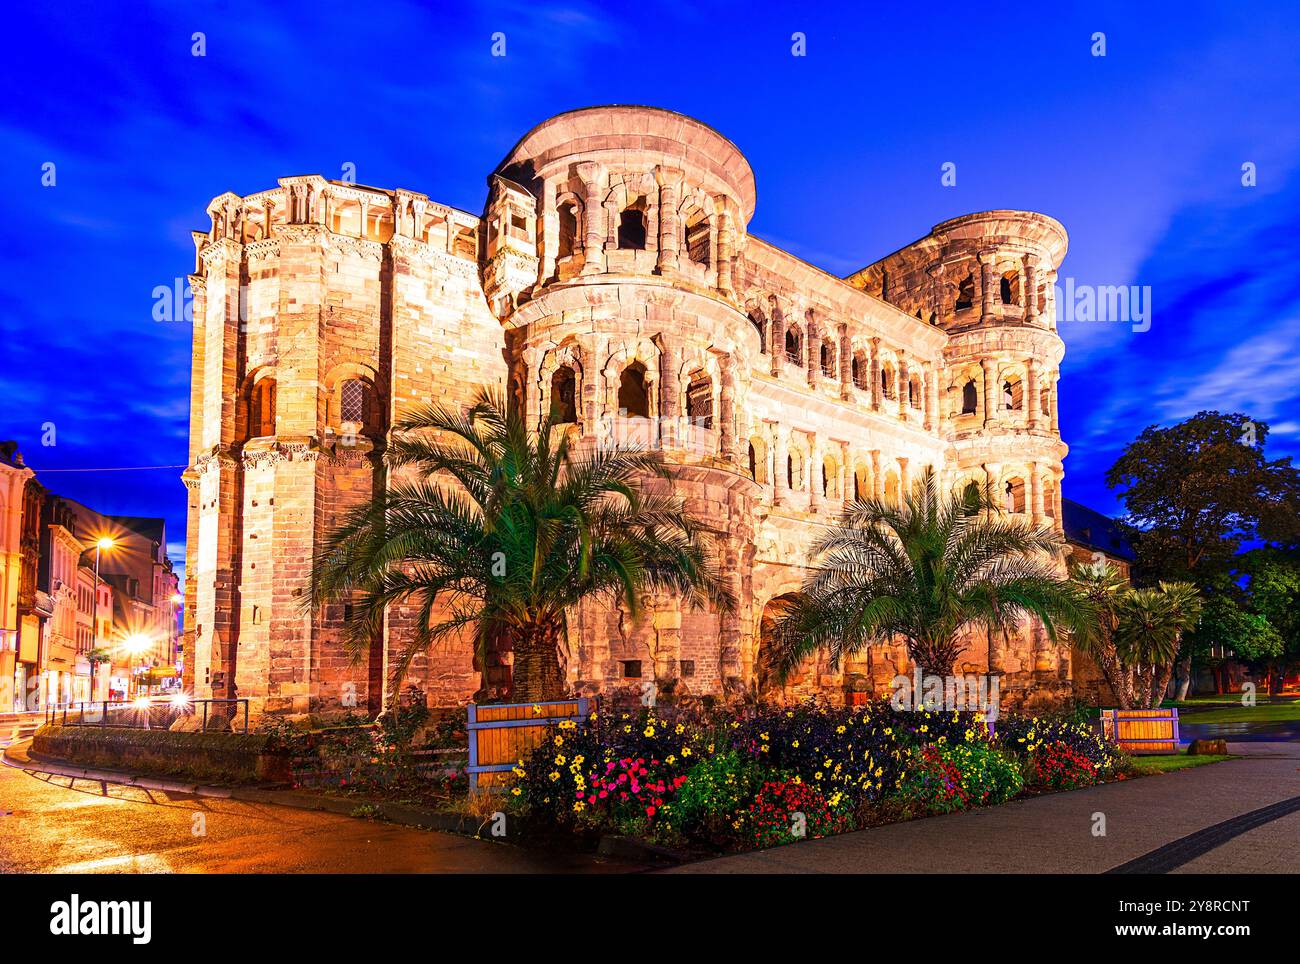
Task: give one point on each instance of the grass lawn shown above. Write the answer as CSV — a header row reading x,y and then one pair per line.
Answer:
x,y
1168,762
1236,713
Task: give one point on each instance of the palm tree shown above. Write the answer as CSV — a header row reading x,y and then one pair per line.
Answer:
x,y
493,531
926,570
1104,586
1149,627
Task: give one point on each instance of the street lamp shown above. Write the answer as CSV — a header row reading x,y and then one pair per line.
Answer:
x,y
103,544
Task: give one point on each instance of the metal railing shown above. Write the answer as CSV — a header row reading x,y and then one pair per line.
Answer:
x,y
153,714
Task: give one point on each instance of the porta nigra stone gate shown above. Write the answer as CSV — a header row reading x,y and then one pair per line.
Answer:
x,y
611,277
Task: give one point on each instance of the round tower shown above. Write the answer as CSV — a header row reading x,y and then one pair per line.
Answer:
x,y
988,279
612,235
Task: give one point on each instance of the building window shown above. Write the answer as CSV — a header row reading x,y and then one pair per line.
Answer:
x,y
1011,394
633,395
631,669
631,228
1015,495
262,416
965,293
568,216
688,667
828,359
564,407
887,381
753,462
699,401
352,401
969,398
862,373
793,346
697,240
1009,288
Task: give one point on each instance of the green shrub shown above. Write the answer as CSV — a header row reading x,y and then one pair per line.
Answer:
x,y
716,790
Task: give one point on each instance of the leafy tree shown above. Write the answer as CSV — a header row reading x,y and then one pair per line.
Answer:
x,y
1197,491
926,570
492,530
1229,621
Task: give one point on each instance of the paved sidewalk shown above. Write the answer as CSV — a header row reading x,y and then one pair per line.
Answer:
x,y
1053,834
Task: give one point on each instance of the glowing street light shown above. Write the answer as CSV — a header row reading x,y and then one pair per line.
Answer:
x,y
103,545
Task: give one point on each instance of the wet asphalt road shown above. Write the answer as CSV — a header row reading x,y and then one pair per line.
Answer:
x,y
53,824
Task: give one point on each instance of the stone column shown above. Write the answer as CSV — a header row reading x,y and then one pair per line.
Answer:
x,y
904,385
668,392
814,474
593,235
1051,299
877,483
668,225
1035,493
904,478
986,286
780,480
725,246
611,225
1031,288
989,367
846,362
931,398
876,394
777,346
727,402
1053,396
1031,386
812,350
532,387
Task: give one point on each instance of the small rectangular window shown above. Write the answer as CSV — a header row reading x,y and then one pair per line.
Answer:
x,y
688,667
631,669
352,401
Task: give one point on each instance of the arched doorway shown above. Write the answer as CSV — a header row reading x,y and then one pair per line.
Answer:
x,y
800,683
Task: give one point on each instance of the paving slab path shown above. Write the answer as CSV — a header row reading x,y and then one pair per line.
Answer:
x,y
1054,833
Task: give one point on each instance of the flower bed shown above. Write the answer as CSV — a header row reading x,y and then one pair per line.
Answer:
x,y
717,782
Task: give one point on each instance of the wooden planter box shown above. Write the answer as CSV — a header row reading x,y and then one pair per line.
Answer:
x,y
501,734
1142,731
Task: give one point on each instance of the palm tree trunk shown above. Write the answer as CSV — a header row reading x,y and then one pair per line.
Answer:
x,y
1116,675
536,676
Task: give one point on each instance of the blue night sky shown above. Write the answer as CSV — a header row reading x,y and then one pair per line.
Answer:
x,y
1139,154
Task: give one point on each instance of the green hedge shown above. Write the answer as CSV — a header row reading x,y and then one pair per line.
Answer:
x,y
226,757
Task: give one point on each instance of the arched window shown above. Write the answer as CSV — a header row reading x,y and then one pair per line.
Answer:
x,y
887,380
699,400
760,326
1012,394
914,392
261,422
794,346
828,359
965,293
631,227
1045,402
789,471
1015,495
753,462
356,412
861,373
568,217
970,497
1009,288
564,404
969,398
633,395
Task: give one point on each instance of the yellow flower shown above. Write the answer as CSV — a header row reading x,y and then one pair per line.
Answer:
x,y
516,791
649,731
686,751
554,776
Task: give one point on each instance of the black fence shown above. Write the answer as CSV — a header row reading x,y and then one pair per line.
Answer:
x,y
159,713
